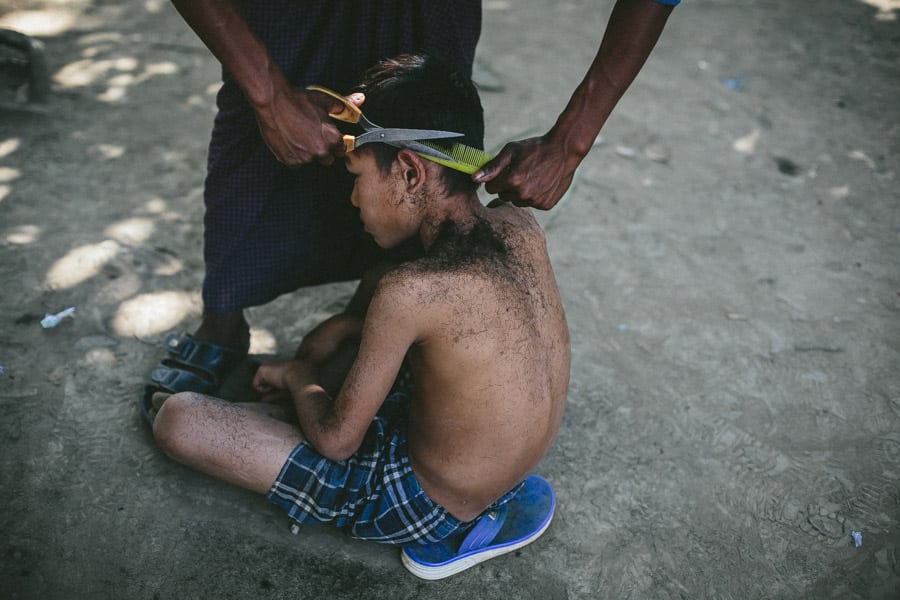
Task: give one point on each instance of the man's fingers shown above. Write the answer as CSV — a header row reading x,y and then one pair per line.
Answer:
x,y
357,98
332,105
489,171
324,101
291,155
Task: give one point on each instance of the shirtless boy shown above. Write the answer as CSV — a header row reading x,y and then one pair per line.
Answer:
x,y
442,466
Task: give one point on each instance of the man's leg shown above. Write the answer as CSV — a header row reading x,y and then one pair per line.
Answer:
x,y
243,444
229,330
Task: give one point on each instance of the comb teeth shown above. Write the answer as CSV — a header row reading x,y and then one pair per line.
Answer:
x,y
465,158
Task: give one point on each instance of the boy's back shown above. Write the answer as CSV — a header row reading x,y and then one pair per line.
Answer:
x,y
490,356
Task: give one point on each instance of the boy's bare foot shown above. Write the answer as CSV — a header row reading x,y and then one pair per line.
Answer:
x,y
156,402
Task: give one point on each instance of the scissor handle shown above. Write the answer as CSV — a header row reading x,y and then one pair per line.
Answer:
x,y
350,113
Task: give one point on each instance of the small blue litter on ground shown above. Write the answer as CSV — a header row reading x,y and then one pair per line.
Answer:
x,y
857,538
734,83
51,321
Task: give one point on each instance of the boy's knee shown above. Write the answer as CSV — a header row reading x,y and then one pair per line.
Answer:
x,y
172,421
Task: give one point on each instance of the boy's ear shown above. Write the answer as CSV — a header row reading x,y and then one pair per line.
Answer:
x,y
412,169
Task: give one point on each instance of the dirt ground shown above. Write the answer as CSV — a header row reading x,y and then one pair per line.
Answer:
x,y
728,257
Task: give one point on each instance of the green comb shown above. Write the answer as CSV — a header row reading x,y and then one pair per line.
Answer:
x,y
461,157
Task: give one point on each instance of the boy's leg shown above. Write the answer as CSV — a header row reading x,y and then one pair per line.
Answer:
x,y
242,444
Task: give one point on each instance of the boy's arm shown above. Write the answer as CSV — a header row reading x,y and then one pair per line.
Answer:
x,y
336,426
323,341
296,129
538,171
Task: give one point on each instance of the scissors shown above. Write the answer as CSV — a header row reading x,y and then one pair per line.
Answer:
x,y
400,138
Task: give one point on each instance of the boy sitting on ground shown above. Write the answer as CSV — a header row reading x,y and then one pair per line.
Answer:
x,y
441,466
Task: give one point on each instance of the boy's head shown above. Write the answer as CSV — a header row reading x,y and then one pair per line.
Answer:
x,y
417,91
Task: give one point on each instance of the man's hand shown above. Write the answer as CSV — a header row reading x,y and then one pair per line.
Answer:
x,y
296,127
293,123
534,172
538,171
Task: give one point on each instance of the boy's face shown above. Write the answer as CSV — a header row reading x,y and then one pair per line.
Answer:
x,y
382,200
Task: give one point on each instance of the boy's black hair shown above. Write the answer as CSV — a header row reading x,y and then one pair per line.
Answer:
x,y
418,91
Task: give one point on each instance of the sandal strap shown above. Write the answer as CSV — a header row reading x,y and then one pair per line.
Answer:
x,y
485,530
175,380
210,358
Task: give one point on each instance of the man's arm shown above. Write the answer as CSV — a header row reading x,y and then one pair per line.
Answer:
x,y
293,124
336,426
538,171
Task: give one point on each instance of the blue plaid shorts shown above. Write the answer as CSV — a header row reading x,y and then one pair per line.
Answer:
x,y
374,494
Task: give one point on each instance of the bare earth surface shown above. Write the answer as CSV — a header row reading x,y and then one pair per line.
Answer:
x,y
728,257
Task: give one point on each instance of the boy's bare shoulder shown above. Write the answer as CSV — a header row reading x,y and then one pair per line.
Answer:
x,y
516,223
512,213
409,285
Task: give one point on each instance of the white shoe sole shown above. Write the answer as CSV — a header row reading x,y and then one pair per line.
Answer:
x,y
461,564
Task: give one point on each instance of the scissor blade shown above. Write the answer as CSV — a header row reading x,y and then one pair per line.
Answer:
x,y
424,150
391,134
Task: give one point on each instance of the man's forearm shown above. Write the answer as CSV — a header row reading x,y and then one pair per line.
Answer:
x,y
225,32
633,30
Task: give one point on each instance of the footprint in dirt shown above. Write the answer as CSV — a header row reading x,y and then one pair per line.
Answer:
x,y
823,525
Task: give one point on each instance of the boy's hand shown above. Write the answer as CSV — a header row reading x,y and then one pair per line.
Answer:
x,y
534,172
272,380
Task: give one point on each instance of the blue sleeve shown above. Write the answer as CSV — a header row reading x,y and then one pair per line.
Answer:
x,y
669,2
